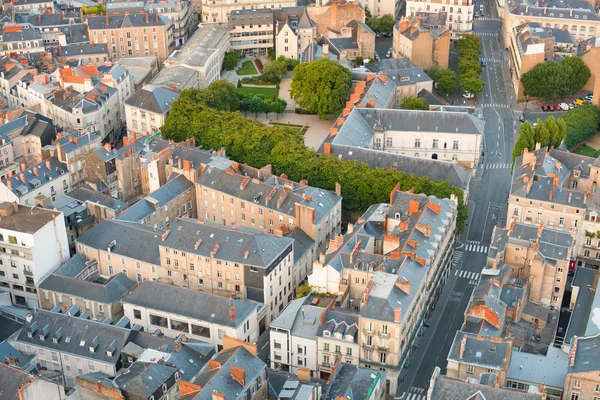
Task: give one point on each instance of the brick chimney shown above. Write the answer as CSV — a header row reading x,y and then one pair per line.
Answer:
x,y
239,375
397,314
22,176
232,313
125,141
463,345
425,229
187,165
107,146
217,395
35,171
246,252
9,184
573,351
212,364
403,284
413,207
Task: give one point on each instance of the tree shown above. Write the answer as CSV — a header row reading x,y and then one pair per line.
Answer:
x,y
221,95
257,104
358,61
555,137
290,63
444,78
541,133
472,83
414,103
273,71
383,24
99,9
579,124
525,140
562,132
278,106
321,86
551,80
230,61
272,54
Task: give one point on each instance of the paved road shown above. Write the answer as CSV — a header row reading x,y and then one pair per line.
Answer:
x,y
487,207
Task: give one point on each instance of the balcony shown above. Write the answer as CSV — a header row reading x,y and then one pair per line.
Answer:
x,y
384,334
383,348
28,273
30,283
368,331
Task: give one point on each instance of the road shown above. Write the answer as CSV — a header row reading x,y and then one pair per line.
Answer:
x,y
487,207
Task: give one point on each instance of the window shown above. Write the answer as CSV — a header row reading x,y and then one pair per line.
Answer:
x,y
326,347
576,383
435,143
382,357
470,369
137,314
349,351
179,326
455,145
417,143
158,321
338,349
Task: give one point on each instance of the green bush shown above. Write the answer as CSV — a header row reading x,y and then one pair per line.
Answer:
x,y
230,61
582,123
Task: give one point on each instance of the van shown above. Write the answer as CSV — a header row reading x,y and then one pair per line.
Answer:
x,y
564,106
578,101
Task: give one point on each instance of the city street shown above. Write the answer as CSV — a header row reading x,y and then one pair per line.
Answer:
x,y
487,208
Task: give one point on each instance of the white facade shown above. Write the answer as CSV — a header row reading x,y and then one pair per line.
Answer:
x,y
379,7
219,10
278,290
125,86
324,278
141,121
27,257
201,330
460,13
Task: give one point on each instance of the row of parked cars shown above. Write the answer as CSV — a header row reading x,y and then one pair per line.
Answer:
x,y
569,106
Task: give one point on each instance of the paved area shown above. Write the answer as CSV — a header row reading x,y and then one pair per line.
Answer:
x,y
317,131
284,93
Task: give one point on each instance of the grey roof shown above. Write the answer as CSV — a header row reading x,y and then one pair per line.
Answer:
x,y
354,382
323,201
75,33
176,186
11,380
27,219
82,49
126,21
549,369
586,354
48,171
8,327
45,20
178,76
78,335
6,351
85,193
302,243
434,169
73,267
484,352
143,379
15,124
357,130
567,10
40,126
220,379
153,99
587,305
338,320
185,302
300,319
390,64
107,292
205,42
68,143
27,33
447,388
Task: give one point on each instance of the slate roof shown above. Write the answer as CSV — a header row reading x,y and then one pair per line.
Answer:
x,y
153,99
32,181
220,379
353,382
185,302
583,321
8,327
14,125
574,10
300,319
484,353
343,321
27,33
206,41
6,351
302,243
77,336
86,193
82,49
587,355
143,379
177,185
126,21
434,169
28,219
11,379
549,369
68,144
447,388
106,293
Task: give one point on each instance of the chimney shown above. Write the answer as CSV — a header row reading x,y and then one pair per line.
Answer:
x,y
413,207
404,285
463,345
76,140
397,314
22,176
187,165
35,171
238,374
156,17
9,184
48,166
232,313
107,146
125,141
246,252
23,166
218,396
106,18
146,17
573,351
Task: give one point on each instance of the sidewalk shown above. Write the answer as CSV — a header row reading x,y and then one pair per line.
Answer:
x,y
316,133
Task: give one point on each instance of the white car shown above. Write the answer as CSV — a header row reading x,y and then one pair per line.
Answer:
x,y
468,95
564,106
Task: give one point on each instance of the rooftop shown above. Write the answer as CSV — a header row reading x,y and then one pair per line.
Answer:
x,y
41,174
25,219
300,319
153,99
549,369
447,388
205,42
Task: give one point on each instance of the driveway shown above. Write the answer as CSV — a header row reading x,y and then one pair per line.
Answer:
x,y
284,93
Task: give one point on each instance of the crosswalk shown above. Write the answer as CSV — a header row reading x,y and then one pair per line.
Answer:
x,y
492,60
486,34
497,166
486,19
495,105
456,258
475,247
470,275
416,393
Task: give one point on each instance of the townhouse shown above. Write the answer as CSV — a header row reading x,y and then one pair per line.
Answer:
x,y
200,256
378,270
352,380
119,78
76,283
424,42
337,340
34,243
99,205
76,215
72,345
71,149
84,53
147,109
49,24
22,38
220,10
174,310
180,14
38,131
459,13
19,384
295,31
583,379
267,202
140,34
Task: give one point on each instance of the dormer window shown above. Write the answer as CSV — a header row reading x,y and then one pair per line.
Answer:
x,y
326,333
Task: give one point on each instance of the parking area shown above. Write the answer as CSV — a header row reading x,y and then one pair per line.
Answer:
x,y
564,105
382,45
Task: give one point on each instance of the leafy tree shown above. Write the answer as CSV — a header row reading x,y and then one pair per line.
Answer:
x,y
414,103
273,71
257,104
562,132
358,61
321,86
221,95
230,61
367,13
472,83
551,80
553,131
383,24
526,140
541,133
580,123
99,9
290,63
278,106
444,78
272,54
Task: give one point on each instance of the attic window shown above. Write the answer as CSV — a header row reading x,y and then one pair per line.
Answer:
x,y
326,333
68,339
493,349
82,343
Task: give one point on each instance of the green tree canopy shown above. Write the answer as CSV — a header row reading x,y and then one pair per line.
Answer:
x,y
383,24
321,86
472,83
526,140
551,80
469,67
580,123
444,78
274,70
414,103
230,61
220,94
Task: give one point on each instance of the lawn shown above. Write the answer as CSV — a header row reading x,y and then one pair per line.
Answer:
x,y
269,93
587,151
247,68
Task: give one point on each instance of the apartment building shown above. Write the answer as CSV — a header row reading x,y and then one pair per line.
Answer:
x,y
19,384
292,337
71,149
49,24
295,31
273,203
252,31
210,11
20,39
176,198
27,144
175,310
199,62
119,78
527,372
84,53
141,34
153,166
34,242
422,41
337,340
356,39
583,379
42,183
11,72
72,345
100,205
381,275
26,6
76,283
439,135
353,380
459,13
199,256
147,109
589,51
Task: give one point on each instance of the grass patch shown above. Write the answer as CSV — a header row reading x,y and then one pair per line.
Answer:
x,y
586,151
247,68
269,93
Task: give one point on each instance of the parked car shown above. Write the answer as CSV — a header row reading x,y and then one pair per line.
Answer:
x,y
483,63
468,95
550,108
476,14
522,117
389,53
545,108
571,106
557,108
564,106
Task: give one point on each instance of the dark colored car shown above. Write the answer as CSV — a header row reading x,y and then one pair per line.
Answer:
x,y
550,108
545,108
557,108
